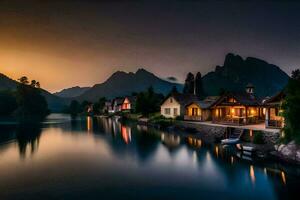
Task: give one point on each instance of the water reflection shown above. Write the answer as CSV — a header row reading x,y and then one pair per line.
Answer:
x,y
143,156
28,139
252,174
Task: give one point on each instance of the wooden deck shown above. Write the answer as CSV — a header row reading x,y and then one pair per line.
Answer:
x,y
192,118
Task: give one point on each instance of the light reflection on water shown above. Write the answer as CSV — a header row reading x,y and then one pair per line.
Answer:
x,y
64,160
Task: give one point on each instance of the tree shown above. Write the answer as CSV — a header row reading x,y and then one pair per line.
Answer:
x,y
174,90
74,107
31,104
199,85
24,80
37,85
189,84
292,108
296,74
99,105
148,102
33,83
8,103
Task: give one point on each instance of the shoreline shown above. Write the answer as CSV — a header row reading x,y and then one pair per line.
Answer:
x,y
216,132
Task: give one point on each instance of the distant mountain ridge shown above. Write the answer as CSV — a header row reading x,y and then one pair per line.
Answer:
x,y
121,83
55,103
237,72
71,92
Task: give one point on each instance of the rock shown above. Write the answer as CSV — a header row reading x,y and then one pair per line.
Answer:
x,y
289,152
298,156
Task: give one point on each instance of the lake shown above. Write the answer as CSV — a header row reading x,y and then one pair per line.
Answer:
x,y
101,158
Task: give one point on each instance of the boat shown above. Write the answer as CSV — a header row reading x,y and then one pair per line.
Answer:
x,y
234,138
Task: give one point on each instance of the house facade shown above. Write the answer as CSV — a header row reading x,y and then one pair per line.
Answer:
x,y
174,105
238,108
128,104
273,111
199,110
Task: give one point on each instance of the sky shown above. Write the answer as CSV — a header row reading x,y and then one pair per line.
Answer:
x,y
65,43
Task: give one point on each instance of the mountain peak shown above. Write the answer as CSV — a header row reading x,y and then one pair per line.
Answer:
x,y
237,72
122,84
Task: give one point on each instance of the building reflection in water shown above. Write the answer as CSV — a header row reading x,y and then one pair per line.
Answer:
x,y
194,142
170,140
231,160
252,174
217,151
283,177
89,124
126,134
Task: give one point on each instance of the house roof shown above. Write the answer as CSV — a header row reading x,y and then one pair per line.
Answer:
x,y
242,98
184,99
211,98
118,101
132,99
201,104
206,103
277,98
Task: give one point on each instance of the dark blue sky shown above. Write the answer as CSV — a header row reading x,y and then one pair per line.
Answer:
x,y
86,41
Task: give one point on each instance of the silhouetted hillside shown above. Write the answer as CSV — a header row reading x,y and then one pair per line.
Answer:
x,y
72,92
122,83
236,73
54,103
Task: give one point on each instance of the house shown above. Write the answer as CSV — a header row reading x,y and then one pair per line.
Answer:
x,y
174,105
200,110
128,103
117,104
238,108
273,111
108,107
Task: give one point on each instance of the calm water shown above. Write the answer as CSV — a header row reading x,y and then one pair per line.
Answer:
x,y
104,159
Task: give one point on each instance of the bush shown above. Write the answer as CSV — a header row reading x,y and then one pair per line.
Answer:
x,y
258,137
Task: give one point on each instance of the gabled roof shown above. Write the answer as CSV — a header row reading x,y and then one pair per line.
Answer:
x,y
211,98
277,98
118,101
242,98
182,99
206,103
132,99
201,104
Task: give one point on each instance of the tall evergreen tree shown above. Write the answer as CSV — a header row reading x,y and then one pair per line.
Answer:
x,y
292,108
189,84
199,85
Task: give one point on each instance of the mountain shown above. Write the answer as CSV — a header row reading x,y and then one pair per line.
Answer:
x,y
122,83
71,92
55,103
237,72
6,83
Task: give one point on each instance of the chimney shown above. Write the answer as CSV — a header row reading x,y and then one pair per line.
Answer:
x,y
250,89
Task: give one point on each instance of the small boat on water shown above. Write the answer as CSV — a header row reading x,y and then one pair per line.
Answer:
x,y
234,137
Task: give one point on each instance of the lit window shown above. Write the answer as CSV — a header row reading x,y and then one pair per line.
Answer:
x,y
175,111
167,111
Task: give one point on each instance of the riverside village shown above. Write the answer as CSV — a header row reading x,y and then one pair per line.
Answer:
x,y
252,124
149,100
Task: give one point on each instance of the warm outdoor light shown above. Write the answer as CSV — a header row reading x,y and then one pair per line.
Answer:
x,y
283,177
252,174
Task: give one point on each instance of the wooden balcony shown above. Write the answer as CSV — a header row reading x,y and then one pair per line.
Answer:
x,y
238,121
274,123
192,118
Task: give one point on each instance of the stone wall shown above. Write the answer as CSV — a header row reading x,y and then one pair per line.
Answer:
x,y
208,132
271,137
